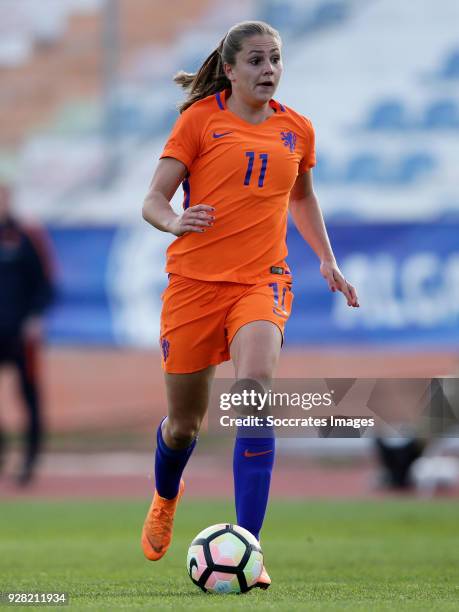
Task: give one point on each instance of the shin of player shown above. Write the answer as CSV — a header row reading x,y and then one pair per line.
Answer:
x,y
255,352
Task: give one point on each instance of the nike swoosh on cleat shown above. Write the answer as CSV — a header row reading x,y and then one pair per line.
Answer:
x,y
247,453
157,549
215,135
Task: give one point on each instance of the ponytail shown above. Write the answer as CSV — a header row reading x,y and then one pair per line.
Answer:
x,y
211,77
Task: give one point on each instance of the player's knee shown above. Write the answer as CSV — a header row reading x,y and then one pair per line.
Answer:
x,y
182,434
259,373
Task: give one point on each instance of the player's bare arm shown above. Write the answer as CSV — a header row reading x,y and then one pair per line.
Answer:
x,y
157,209
308,218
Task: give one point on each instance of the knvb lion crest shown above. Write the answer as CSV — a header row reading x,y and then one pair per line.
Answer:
x,y
289,140
165,346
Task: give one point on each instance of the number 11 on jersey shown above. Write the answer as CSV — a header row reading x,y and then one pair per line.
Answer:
x,y
264,165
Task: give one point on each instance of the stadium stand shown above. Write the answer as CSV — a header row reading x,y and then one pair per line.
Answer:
x,y
295,18
442,114
364,168
450,68
22,28
403,122
367,168
379,131
38,78
393,115
414,167
388,115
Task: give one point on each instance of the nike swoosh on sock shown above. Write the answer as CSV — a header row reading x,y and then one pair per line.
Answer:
x,y
247,453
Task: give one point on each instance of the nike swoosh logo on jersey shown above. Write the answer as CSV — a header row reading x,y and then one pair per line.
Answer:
x,y
247,453
215,135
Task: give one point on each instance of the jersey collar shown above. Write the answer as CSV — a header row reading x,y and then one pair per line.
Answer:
x,y
221,97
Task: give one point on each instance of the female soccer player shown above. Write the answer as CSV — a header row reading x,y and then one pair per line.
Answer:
x,y
242,159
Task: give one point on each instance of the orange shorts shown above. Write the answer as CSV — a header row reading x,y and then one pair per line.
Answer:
x,y
199,319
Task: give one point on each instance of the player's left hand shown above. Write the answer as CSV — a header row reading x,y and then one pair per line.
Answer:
x,y
337,282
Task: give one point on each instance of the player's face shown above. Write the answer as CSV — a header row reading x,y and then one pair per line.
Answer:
x,y
258,68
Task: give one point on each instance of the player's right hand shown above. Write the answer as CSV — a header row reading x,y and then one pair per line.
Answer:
x,y
194,219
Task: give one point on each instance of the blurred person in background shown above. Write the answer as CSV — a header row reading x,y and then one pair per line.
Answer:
x,y
396,456
417,459
26,291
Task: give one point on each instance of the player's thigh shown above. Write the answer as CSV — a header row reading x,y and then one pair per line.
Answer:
x,y
187,400
255,350
255,328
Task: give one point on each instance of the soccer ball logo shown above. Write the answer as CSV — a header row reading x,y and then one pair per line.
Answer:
x,y
225,559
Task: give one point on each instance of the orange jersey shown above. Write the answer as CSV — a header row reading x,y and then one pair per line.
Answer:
x,y
246,172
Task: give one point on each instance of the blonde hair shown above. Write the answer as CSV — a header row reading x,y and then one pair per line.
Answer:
x,y
211,77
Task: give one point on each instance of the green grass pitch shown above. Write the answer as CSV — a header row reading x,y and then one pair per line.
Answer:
x,y
322,555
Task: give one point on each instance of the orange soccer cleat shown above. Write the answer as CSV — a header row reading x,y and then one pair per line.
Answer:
x,y
264,581
157,529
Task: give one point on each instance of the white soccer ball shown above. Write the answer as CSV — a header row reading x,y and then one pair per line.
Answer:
x,y
224,558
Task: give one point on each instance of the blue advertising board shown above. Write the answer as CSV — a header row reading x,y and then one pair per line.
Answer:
x,y
407,277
